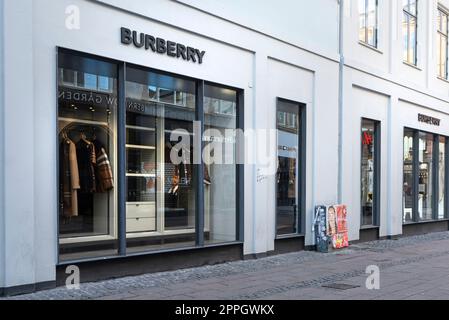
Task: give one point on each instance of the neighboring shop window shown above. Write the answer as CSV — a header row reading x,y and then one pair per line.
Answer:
x,y
156,140
442,43
87,153
220,171
410,30
425,205
369,172
409,180
442,178
290,155
424,176
368,29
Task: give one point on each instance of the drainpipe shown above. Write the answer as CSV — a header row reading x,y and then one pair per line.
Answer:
x,y
340,99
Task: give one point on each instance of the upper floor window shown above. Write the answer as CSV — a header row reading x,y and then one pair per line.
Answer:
x,y
410,30
368,22
442,43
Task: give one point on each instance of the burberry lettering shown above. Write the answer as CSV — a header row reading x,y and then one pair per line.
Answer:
x,y
429,120
176,50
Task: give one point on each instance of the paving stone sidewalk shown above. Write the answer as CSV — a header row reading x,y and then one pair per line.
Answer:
x,y
410,268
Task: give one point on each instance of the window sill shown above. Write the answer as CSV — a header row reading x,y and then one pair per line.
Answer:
x,y
290,236
369,227
368,46
148,253
443,79
424,222
412,65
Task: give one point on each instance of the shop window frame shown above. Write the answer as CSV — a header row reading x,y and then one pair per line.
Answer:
x,y
121,161
302,171
377,176
435,179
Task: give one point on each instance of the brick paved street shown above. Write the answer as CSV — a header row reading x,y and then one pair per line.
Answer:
x,y
411,268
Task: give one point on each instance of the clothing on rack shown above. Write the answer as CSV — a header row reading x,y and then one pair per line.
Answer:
x,y
86,162
183,172
292,178
70,181
104,179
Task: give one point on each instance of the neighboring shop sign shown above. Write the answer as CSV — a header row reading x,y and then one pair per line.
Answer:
x,y
161,46
429,120
340,239
331,225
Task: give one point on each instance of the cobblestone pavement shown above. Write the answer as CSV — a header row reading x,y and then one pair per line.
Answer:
x,y
410,268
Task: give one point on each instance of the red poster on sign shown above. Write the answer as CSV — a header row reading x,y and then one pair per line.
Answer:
x,y
342,222
341,239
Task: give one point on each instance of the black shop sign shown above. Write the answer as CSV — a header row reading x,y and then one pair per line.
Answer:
x,y
429,120
159,45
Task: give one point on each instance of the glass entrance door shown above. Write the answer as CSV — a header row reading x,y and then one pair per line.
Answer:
x,y
287,178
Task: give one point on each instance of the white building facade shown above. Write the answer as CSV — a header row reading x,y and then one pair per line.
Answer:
x,y
91,93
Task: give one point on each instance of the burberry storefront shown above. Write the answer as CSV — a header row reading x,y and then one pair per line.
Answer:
x,y
139,170
149,143
128,180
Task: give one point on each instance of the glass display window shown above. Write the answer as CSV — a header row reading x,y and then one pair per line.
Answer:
x,y
127,178
425,176
220,173
289,171
87,113
369,172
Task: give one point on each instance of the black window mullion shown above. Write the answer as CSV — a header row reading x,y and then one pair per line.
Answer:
x,y
377,176
240,167
415,175
446,179
199,168
303,169
121,159
435,180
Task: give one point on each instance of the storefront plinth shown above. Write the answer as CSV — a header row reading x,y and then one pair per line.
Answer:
x,y
133,265
288,245
368,234
415,229
25,289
